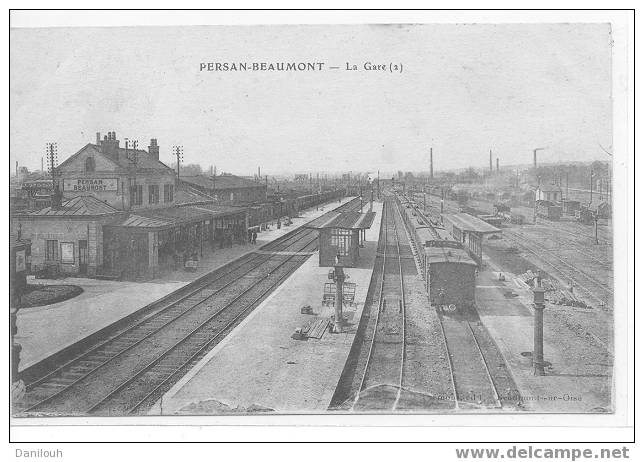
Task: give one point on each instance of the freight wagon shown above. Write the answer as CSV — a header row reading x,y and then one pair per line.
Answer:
x,y
447,268
549,210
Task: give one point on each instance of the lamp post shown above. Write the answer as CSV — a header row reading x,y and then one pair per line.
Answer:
x,y
539,306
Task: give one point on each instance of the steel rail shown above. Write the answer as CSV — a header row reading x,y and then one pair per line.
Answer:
x,y
155,315
187,337
380,292
403,308
282,239
139,341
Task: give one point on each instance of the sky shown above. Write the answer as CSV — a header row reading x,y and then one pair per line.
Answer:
x,y
464,89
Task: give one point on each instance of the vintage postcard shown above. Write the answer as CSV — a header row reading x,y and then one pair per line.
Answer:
x,y
316,219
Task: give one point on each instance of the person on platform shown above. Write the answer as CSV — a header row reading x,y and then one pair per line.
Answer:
x,y
254,237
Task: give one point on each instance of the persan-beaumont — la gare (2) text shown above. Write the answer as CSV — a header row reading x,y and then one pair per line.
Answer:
x,y
314,66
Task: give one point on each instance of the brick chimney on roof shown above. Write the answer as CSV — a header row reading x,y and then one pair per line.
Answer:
x,y
110,145
153,149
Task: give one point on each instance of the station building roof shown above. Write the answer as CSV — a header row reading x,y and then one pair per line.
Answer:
x,y
169,217
344,220
186,195
470,223
221,182
78,206
121,157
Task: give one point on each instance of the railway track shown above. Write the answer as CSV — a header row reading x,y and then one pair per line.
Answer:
x,y
477,368
129,369
383,370
590,285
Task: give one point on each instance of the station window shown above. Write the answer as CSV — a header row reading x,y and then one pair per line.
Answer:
x,y
51,250
341,238
90,164
168,192
136,194
153,194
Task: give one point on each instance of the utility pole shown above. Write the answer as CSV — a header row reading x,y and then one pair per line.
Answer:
x,y
431,164
535,198
539,306
178,152
214,181
52,160
592,174
132,161
378,184
567,197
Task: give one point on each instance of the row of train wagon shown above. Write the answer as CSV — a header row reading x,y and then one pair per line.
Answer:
x,y
288,207
448,270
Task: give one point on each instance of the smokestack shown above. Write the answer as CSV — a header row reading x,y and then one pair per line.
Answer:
x,y
16,169
431,163
497,165
534,159
42,164
259,173
98,138
153,149
490,161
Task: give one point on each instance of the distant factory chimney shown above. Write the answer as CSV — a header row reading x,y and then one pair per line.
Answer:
x,y
490,161
497,165
98,138
534,159
153,149
431,162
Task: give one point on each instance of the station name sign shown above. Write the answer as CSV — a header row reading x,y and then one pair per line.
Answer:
x,y
91,184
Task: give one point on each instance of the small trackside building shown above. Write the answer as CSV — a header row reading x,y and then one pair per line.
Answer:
x,y
469,230
341,236
67,239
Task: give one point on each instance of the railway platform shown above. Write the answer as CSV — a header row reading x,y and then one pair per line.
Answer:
x,y
266,369
579,379
45,330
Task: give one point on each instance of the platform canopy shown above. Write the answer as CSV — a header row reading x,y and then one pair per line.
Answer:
x,y
169,217
470,224
344,220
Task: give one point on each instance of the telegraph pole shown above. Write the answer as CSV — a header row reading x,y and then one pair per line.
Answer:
x,y
214,179
52,160
132,158
178,152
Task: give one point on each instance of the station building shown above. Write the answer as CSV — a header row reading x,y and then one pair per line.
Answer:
x,y
123,215
549,192
228,189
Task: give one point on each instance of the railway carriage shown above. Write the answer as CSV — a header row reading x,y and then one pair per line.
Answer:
x,y
450,275
448,270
